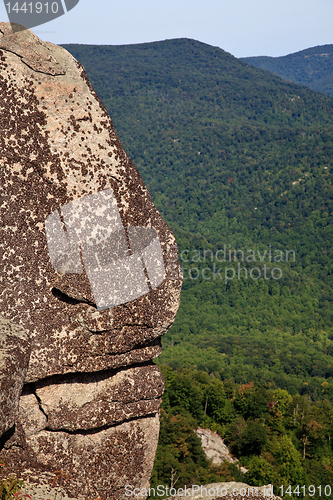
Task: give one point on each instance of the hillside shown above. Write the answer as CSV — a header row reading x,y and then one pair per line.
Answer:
x,y
311,67
236,160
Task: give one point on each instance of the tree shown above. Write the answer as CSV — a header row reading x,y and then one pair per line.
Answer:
x,y
289,461
253,439
260,472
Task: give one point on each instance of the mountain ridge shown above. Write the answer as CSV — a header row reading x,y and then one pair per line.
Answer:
x,y
233,155
310,67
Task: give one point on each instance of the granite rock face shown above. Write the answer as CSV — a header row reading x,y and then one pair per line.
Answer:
x,y
14,359
90,281
227,491
215,449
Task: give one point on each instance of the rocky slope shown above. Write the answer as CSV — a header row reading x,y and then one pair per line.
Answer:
x,y
215,449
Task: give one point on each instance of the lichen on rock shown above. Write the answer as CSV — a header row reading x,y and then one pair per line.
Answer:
x,y
89,276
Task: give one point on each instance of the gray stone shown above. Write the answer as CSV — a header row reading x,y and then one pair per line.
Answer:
x,y
215,449
89,401
121,450
58,148
89,271
228,491
14,358
30,414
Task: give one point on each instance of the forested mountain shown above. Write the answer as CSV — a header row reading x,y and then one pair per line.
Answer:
x,y
281,439
239,163
310,67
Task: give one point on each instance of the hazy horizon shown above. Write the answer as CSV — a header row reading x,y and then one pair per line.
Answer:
x,y
244,29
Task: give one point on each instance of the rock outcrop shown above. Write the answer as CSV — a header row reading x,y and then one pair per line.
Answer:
x,y
215,449
14,359
226,491
90,281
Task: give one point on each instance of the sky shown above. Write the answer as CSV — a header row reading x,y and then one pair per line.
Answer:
x,y
242,27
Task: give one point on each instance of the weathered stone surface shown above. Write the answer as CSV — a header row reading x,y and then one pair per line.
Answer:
x,y
30,414
89,401
58,145
215,449
35,54
121,450
89,270
14,358
228,491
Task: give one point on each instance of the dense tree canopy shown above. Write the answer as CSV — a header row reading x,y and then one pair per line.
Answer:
x,y
238,161
310,67
280,439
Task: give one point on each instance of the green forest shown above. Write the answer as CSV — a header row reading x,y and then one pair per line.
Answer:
x,y
239,163
280,439
310,67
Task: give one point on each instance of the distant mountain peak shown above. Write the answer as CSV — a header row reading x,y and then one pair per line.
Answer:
x,y
311,67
